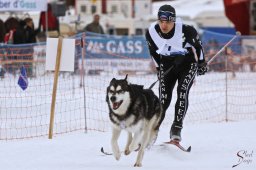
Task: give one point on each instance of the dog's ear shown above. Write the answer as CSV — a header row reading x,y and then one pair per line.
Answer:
x,y
126,77
113,79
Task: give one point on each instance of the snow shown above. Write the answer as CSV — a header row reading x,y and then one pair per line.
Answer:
x,y
214,147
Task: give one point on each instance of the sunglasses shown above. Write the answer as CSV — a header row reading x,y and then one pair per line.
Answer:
x,y
166,16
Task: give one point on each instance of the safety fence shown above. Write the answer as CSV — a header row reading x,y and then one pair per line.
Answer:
x,y
226,93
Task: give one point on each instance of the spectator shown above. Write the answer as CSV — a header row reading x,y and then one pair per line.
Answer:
x,y
30,33
14,35
19,34
94,26
14,31
11,24
52,24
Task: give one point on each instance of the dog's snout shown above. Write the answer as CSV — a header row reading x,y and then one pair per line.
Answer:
x,y
113,98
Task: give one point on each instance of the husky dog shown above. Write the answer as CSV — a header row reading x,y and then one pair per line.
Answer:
x,y
135,110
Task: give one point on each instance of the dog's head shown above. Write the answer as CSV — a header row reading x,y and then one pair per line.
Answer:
x,y
118,96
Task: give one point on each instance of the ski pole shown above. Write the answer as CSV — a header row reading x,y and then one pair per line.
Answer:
x,y
234,37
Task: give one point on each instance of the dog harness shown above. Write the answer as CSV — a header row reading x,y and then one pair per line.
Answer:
x,y
122,125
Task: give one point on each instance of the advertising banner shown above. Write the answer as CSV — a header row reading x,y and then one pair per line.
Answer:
x,y
23,5
108,54
119,47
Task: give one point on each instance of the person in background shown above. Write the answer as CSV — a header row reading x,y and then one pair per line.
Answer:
x,y
173,47
95,26
52,24
14,31
30,37
30,33
15,34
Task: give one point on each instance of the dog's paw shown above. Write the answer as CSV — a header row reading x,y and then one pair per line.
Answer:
x,y
137,164
117,155
136,150
134,147
127,152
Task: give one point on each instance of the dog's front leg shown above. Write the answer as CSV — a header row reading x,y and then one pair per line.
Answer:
x,y
129,140
147,132
144,143
136,141
115,148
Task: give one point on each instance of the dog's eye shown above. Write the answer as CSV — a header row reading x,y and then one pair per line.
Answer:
x,y
111,91
119,91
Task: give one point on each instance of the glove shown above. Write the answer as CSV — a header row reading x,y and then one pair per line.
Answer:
x,y
202,68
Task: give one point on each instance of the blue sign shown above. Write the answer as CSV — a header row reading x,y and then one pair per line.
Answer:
x,y
23,79
116,47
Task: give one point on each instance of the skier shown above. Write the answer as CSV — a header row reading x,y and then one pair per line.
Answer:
x,y
178,55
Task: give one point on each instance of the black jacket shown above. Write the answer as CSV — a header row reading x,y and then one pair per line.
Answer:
x,y
190,38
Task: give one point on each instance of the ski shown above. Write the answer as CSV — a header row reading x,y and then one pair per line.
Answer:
x,y
172,142
106,153
177,143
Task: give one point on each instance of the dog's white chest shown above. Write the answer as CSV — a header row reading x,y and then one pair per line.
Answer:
x,y
129,125
136,127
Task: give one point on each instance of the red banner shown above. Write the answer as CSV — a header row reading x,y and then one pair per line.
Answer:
x,y
232,2
238,11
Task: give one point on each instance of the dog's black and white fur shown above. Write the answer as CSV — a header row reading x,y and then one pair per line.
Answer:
x,y
135,110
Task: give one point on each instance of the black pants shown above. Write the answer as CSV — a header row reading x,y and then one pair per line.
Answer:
x,y
184,74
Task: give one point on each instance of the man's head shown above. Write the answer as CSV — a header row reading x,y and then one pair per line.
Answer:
x,y
167,13
166,17
29,22
96,18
